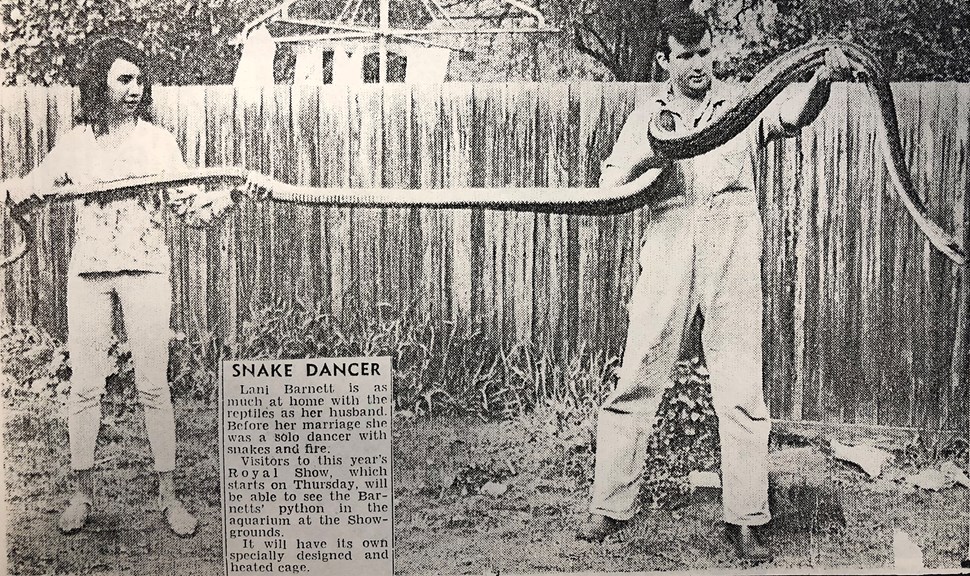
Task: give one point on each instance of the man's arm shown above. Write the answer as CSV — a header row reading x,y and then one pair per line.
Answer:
x,y
644,171
804,107
643,180
632,158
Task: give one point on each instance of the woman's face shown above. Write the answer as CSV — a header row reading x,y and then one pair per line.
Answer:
x,y
125,88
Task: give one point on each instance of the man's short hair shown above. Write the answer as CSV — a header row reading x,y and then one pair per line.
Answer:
x,y
685,26
93,80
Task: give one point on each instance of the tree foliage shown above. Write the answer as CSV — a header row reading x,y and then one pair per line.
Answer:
x,y
188,41
918,40
622,35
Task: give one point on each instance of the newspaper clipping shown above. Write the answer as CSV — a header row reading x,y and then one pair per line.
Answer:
x,y
307,466
362,287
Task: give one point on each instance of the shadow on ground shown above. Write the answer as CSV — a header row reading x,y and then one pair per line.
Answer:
x,y
472,497
469,496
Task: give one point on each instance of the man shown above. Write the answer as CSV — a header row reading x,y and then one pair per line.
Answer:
x,y
700,255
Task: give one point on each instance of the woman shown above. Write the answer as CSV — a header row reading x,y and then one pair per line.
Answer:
x,y
119,252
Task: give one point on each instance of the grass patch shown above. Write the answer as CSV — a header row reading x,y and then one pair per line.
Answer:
x,y
494,452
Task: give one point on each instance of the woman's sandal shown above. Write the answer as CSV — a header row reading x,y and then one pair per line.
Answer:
x,y
75,516
180,521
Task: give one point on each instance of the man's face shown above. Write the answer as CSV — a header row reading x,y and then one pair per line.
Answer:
x,y
690,66
124,87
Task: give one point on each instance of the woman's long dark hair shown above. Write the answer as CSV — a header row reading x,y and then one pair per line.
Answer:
x,y
93,81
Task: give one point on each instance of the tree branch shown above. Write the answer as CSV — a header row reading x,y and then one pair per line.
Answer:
x,y
592,52
744,8
598,38
584,49
621,45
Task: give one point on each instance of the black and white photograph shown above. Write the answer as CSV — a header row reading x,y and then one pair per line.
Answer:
x,y
485,286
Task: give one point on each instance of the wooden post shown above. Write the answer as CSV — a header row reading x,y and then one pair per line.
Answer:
x,y
960,361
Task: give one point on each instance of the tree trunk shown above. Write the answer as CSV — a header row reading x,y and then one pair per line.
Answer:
x,y
623,36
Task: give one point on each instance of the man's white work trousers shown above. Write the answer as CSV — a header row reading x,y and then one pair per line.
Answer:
x,y
704,258
146,305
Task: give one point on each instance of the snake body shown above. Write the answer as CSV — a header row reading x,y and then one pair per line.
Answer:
x,y
764,88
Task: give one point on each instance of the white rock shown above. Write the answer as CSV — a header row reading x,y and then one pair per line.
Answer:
x,y
955,473
868,458
928,480
906,554
494,489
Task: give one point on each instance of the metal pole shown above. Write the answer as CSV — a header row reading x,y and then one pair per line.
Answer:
x,y
960,366
385,27
960,363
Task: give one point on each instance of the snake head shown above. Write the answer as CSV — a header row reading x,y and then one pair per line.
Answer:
x,y
665,119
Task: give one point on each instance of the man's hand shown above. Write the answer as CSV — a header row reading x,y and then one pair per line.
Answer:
x,y
836,67
802,108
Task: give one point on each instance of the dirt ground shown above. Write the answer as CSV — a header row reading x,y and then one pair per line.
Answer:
x,y
126,533
469,496
450,517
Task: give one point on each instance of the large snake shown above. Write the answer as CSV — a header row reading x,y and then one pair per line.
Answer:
x,y
766,86
757,95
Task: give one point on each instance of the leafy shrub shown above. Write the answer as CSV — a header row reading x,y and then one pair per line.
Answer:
x,y
685,436
193,367
439,367
35,369
186,41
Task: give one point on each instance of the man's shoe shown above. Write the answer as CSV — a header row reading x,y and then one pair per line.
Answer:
x,y
747,542
597,527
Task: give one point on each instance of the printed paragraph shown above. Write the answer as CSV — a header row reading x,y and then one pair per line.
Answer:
x,y
307,465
